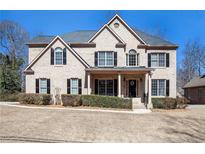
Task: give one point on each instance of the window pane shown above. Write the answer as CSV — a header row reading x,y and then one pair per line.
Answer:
x,y
109,60
161,88
161,59
132,60
58,56
74,86
101,87
154,60
154,87
43,86
110,87
102,58
105,58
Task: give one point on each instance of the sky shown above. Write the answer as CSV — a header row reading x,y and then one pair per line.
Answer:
x,y
175,26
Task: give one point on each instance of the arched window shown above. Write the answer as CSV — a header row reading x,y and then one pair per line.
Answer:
x,y
132,58
58,56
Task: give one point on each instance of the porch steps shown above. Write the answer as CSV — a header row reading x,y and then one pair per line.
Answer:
x,y
136,104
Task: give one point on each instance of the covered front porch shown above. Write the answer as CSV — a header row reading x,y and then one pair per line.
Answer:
x,y
123,82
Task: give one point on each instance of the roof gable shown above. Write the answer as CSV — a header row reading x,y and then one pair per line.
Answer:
x,y
49,45
85,36
127,26
110,30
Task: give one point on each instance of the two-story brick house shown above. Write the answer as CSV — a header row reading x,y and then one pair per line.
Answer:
x,y
116,60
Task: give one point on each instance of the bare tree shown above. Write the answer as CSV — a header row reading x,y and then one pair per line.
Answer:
x,y
192,64
12,39
12,43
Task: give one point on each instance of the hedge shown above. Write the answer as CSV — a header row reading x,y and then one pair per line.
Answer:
x,y
71,100
106,101
9,97
37,99
169,103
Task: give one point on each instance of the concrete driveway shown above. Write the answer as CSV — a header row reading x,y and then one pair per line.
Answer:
x,y
50,125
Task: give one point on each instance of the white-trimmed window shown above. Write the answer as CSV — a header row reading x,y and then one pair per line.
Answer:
x,y
132,58
158,60
106,87
105,58
74,86
43,86
158,87
58,56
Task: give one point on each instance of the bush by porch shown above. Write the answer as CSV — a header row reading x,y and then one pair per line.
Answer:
x,y
169,103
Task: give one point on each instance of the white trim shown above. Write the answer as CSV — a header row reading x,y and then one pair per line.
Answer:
x,y
99,31
40,86
165,90
117,16
106,59
71,86
45,49
55,55
165,60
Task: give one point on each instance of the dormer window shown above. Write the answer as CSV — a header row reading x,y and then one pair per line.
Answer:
x,y
58,56
132,58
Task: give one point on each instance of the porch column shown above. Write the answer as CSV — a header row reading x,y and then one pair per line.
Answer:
x,y
88,82
119,85
146,88
150,91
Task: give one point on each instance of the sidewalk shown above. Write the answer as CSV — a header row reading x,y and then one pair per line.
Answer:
x,y
136,111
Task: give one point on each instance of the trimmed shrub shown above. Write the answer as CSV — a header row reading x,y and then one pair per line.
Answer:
x,y
157,103
106,101
169,103
71,100
9,97
182,102
37,99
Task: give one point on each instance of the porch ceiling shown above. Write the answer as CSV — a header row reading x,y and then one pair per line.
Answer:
x,y
117,70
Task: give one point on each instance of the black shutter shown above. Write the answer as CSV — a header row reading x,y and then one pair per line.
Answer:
x,y
167,87
48,86
115,87
37,85
52,56
115,58
149,60
167,59
68,86
79,86
64,56
96,59
96,86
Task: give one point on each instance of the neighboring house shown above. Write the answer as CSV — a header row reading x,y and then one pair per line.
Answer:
x,y
116,60
194,90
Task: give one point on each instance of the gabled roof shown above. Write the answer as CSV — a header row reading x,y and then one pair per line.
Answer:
x,y
47,47
76,37
196,82
83,36
152,39
110,30
128,27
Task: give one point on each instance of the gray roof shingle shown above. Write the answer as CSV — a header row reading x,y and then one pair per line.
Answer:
x,y
152,39
84,35
196,82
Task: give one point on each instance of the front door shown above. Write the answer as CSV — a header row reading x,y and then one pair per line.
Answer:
x,y
132,88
